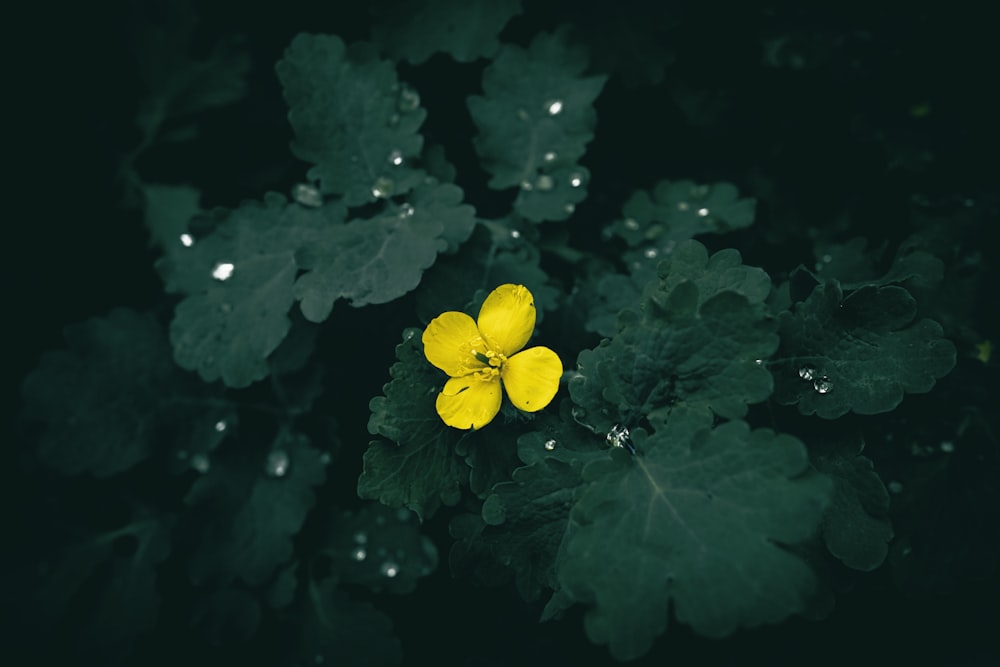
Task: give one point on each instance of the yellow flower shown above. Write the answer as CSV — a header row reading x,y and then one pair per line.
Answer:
x,y
479,355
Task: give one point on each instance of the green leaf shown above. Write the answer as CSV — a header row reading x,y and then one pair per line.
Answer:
x,y
418,468
681,350
110,399
697,523
240,281
722,272
856,526
860,353
464,29
382,258
854,267
351,118
491,454
169,208
336,630
535,120
491,257
380,548
254,507
679,210
282,590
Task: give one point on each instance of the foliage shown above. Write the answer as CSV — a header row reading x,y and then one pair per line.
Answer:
x,y
772,397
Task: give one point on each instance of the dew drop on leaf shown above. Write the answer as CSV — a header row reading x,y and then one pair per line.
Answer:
x,y
703,212
527,185
389,569
359,554
822,385
409,99
576,179
201,463
395,157
631,224
406,211
223,271
514,234
807,372
187,240
277,463
544,182
383,187
553,107
550,444
361,537
650,253
947,446
221,425
550,156
683,206
307,195
570,207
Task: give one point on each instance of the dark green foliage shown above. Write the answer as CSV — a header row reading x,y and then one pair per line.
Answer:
x,y
860,352
856,525
334,629
417,468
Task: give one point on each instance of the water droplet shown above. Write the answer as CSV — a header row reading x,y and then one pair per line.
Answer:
x,y
544,182
187,240
307,195
895,487
822,385
200,463
527,185
550,156
409,99
807,372
550,444
403,514
827,258
359,554
570,207
277,463
410,333
222,271
325,458
703,212
619,436
576,179
220,425
650,253
396,157
406,211
514,234
683,206
759,362
383,187
631,224
553,107
361,537
522,114
947,446
389,569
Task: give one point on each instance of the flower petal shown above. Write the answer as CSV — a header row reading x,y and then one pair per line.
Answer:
x,y
532,378
448,343
469,402
507,317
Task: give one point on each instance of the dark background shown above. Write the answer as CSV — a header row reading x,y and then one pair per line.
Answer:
x,y
73,252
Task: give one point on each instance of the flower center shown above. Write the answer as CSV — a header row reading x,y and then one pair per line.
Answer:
x,y
492,360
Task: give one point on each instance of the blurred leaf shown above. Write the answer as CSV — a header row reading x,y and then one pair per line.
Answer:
x,y
169,208
535,120
464,29
856,526
380,548
109,400
253,507
417,468
703,496
679,210
351,118
282,590
857,353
